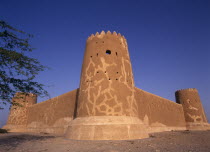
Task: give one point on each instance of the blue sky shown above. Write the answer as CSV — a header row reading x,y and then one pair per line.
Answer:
x,y
168,40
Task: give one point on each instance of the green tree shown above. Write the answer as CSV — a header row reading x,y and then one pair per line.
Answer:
x,y
17,70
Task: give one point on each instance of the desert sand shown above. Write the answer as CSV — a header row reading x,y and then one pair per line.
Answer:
x,y
173,141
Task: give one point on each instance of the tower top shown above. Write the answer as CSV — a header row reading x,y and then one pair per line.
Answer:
x,y
103,34
188,89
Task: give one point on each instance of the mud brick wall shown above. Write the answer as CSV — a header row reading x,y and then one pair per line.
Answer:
x,y
158,111
53,115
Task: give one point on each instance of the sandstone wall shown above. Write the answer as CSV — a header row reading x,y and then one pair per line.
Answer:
x,y
53,115
158,113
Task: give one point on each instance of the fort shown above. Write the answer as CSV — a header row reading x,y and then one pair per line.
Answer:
x,y
107,105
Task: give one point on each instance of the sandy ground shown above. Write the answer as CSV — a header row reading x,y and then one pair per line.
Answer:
x,y
174,141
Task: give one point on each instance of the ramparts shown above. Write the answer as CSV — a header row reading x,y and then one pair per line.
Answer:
x,y
53,115
158,113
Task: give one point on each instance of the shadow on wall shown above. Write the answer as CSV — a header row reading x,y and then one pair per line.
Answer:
x,y
75,107
16,140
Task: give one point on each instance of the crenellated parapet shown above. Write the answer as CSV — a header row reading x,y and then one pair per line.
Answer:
x,y
117,41
105,34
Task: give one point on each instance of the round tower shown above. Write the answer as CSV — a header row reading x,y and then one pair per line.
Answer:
x,y
106,106
17,119
193,110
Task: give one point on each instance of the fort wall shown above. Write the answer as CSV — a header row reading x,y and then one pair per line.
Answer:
x,y
158,113
53,115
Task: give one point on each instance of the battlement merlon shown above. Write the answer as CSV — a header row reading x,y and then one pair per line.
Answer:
x,y
24,99
114,35
187,89
108,33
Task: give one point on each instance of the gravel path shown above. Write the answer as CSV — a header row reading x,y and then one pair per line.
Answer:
x,y
174,141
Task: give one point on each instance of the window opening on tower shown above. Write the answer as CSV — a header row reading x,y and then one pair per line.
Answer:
x,y
108,52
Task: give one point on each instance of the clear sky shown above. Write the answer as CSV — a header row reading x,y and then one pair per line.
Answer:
x,y
168,40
